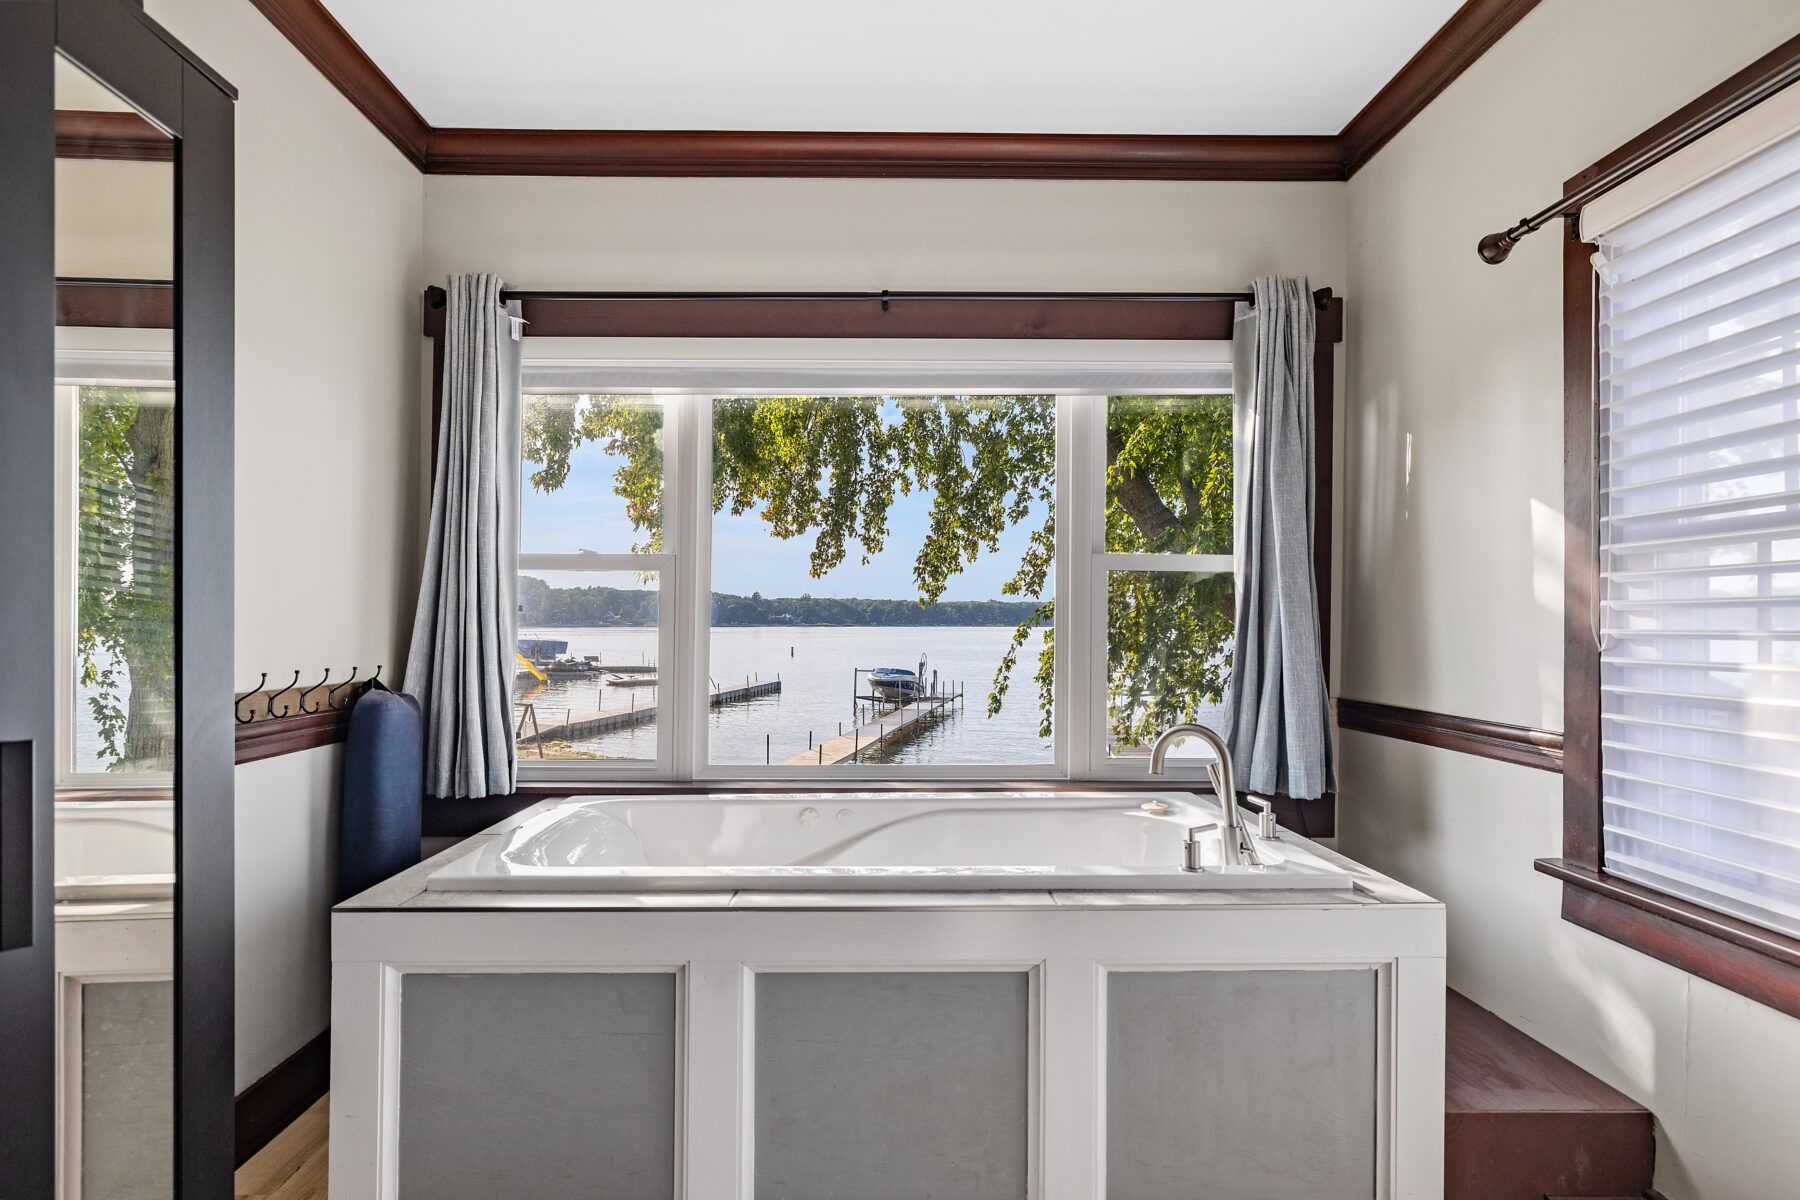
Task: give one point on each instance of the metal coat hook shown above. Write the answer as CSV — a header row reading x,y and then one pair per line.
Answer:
x,y
315,687
286,709
238,701
331,697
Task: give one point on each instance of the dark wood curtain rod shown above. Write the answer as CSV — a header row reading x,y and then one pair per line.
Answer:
x,y
1181,316
1762,80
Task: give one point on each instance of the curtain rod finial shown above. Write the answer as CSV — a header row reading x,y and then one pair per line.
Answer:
x,y
1495,247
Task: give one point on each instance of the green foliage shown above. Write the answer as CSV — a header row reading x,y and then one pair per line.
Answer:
x,y
1168,490
125,580
832,467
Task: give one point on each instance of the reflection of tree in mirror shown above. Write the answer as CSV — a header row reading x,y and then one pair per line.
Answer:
x,y
124,604
832,468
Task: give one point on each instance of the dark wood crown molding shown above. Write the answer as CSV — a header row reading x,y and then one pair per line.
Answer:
x,y
317,35
1465,37
652,152
118,136
1518,744
1474,27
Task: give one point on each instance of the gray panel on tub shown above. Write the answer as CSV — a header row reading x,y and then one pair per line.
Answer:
x,y
127,1090
553,1086
892,1085
1240,1085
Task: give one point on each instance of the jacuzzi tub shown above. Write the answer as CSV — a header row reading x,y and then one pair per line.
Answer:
x,y
934,841
110,850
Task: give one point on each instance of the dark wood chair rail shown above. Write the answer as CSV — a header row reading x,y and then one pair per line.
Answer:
x,y
1527,747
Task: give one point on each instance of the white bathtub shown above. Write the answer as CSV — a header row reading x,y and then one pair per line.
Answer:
x,y
115,850
861,841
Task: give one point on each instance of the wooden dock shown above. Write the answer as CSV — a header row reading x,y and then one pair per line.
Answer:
x,y
584,725
888,729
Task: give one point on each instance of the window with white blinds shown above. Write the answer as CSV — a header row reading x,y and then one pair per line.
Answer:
x,y
1700,541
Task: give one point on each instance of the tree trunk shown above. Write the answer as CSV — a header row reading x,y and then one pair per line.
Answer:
x,y
1137,496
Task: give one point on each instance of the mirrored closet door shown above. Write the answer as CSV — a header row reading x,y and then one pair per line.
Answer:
x,y
115,609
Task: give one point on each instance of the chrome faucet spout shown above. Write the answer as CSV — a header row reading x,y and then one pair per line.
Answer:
x,y
1234,847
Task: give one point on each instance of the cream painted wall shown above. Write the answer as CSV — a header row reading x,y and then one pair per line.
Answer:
x,y
869,234
114,220
329,229
881,233
1453,540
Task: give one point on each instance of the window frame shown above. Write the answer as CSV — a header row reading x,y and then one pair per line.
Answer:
x,y
1035,330
67,779
1748,959
1082,562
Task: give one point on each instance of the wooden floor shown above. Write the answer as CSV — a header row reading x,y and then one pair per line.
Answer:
x,y
292,1166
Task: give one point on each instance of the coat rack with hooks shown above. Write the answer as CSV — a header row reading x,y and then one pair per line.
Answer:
x,y
263,703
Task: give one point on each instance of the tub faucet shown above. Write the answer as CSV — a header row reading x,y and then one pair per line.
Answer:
x,y
1234,847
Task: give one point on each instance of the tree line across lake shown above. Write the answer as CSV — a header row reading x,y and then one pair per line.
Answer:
x,y
541,605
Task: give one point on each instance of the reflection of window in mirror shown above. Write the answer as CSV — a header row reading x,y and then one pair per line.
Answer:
x,y
115,579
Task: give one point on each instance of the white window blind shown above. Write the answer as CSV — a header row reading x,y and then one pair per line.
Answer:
x,y
1700,541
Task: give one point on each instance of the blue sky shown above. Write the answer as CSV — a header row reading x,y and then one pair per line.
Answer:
x,y
586,515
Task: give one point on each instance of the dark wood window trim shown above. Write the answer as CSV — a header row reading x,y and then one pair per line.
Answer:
x,y
856,316
1468,34
1744,958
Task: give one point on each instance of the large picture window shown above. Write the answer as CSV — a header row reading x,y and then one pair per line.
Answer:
x,y
870,582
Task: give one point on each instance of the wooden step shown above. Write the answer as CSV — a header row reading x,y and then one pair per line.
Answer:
x,y
1522,1123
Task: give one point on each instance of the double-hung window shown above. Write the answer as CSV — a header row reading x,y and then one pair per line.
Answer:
x,y
888,568
1699,427
115,537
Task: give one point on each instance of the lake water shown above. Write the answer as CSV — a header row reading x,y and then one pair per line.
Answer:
x,y
814,665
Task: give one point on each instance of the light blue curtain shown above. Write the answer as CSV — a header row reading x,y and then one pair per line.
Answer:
x,y
460,667
1278,717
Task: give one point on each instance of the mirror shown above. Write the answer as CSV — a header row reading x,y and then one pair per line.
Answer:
x,y
115,738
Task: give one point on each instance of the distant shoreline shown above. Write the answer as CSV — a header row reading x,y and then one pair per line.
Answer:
x,y
543,606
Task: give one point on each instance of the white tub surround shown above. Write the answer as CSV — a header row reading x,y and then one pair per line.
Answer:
x,y
971,996
115,941
115,850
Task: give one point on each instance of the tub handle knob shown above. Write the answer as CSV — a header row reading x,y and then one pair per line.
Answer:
x,y
1266,827
1191,847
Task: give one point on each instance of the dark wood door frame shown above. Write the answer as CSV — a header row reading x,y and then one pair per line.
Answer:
x,y
827,315
1737,955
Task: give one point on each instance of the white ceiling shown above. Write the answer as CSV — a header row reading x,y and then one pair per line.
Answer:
x,y
995,66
